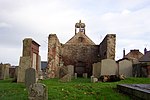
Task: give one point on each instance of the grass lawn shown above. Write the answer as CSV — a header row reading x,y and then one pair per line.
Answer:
x,y
77,89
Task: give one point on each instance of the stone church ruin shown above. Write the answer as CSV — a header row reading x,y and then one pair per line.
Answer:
x,y
80,51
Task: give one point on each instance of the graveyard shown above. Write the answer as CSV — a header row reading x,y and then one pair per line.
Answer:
x,y
78,69
77,89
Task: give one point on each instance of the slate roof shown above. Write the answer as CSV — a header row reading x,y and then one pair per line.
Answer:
x,y
146,57
134,54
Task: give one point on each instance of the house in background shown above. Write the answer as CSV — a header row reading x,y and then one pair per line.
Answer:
x,y
133,55
142,69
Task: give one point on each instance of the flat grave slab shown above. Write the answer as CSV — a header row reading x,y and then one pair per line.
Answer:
x,y
137,91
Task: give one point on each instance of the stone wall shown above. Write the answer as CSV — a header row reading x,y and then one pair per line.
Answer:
x,y
80,51
53,56
81,56
107,47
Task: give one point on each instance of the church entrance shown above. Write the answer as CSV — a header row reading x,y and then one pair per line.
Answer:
x,y
80,68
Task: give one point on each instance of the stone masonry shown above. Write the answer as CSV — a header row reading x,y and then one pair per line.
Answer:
x,y
30,58
80,51
4,71
53,56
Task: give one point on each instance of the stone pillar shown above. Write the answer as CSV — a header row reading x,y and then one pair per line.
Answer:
x,y
53,56
107,47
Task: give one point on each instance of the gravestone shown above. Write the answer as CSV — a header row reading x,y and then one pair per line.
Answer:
x,y
85,75
64,74
71,70
38,91
30,77
125,68
92,78
96,69
4,71
75,75
63,71
1,65
66,78
25,63
108,67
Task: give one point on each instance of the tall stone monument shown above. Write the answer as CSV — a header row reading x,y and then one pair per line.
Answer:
x,y
29,59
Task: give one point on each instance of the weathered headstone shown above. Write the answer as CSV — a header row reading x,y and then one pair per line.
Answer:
x,y
25,63
1,72
66,78
63,71
95,80
4,71
85,75
125,68
12,72
92,78
64,74
38,91
30,77
108,67
75,75
71,70
96,69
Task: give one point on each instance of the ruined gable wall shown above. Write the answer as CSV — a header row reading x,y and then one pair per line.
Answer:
x,y
53,55
80,55
107,47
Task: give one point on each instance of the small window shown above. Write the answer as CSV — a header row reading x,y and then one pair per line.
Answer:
x,y
80,39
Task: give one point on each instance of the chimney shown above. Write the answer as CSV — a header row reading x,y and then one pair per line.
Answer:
x,y
145,50
124,53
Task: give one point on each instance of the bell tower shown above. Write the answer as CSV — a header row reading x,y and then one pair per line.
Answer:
x,y
80,27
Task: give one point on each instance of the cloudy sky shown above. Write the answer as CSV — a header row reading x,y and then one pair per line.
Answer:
x,y
19,19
